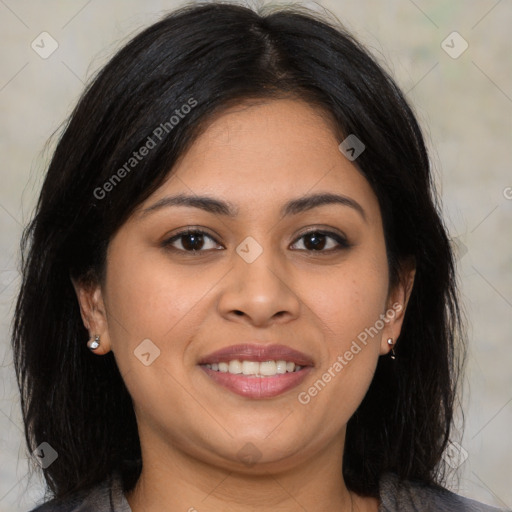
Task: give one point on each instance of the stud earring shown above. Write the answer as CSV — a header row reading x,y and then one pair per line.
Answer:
x,y
390,343
94,343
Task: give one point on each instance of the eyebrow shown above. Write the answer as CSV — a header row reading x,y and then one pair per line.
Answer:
x,y
219,207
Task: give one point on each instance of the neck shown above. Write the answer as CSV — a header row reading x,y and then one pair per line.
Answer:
x,y
172,479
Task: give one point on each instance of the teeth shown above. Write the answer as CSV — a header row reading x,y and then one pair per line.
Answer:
x,y
249,367
281,366
255,368
235,366
268,368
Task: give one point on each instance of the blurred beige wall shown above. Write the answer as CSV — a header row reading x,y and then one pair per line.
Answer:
x,y
463,97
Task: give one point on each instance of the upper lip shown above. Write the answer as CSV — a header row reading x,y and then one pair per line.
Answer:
x,y
257,352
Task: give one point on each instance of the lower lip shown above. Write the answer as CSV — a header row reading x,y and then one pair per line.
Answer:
x,y
258,387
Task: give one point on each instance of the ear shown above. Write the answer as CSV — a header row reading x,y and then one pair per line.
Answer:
x,y
93,312
398,299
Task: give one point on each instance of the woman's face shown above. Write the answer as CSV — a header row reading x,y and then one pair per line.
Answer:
x,y
281,269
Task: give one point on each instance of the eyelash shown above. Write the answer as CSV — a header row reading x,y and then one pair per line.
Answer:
x,y
340,240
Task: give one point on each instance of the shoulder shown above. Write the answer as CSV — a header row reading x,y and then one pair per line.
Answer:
x,y
409,496
105,497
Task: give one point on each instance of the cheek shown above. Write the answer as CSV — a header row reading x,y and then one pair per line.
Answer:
x,y
148,300
347,302
349,298
349,307
148,297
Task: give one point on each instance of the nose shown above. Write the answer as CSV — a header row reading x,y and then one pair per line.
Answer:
x,y
261,292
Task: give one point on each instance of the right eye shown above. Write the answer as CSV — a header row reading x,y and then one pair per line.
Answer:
x,y
190,240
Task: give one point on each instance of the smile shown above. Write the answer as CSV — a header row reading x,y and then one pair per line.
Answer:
x,y
255,368
258,382
256,371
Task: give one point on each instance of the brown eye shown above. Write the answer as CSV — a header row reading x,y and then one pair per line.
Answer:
x,y
322,241
191,241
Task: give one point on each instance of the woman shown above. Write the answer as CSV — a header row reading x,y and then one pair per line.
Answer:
x,y
238,293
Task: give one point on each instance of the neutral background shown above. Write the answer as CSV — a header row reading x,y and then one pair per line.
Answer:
x,y
464,104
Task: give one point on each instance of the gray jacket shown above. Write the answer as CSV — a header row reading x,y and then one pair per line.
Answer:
x,y
395,496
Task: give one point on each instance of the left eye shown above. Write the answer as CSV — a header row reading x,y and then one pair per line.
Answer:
x,y
318,241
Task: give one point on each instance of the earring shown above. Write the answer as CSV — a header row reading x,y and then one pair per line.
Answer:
x,y
390,343
93,344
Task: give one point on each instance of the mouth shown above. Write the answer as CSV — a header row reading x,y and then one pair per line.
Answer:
x,y
257,371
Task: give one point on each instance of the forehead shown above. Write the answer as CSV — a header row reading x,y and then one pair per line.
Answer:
x,y
258,137
258,154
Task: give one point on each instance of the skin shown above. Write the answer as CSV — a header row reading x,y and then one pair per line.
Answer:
x,y
189,305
